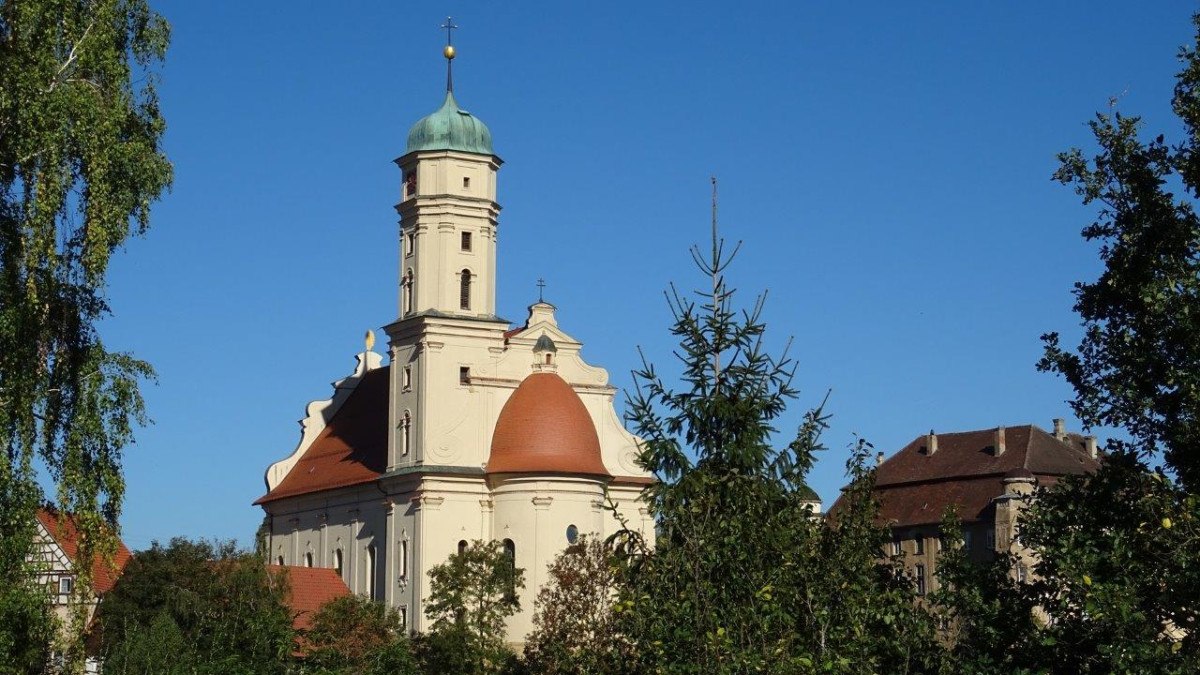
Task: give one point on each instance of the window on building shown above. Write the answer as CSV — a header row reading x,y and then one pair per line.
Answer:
x,y
1022,573
308,560
991,539
464,375
920,545
410,184
572,534
407,378
968,540
66,585
510,552
337,560
410,244
371,584
464,290
897,547
403,617
919,573
403,559
465,242
462,546
280,561
405,433
466,181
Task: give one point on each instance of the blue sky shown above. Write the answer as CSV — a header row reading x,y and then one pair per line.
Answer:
x,y
886,164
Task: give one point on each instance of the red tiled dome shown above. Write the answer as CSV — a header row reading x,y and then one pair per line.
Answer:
x,y
545,428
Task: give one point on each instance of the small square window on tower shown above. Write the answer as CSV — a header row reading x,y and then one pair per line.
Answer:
x,y
466,241
464,375
466,182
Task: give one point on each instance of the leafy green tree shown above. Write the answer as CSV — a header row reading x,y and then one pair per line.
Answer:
x,y
1115,588
990,617
80,164
27,623
196,607
353,635
1137,366
576,627
470,596
744,576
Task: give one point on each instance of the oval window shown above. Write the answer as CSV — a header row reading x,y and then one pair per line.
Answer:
x,y
572,534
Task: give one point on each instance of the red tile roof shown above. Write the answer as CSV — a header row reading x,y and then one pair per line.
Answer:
x,y
66,534
545,428
351,449
914,486
309,588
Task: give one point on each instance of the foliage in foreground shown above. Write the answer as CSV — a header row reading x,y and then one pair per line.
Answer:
x,y
470,596
80,164
1116,587
353,635
576,624
196,607
743,577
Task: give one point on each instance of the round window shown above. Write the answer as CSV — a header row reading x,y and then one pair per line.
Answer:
x,y
572,534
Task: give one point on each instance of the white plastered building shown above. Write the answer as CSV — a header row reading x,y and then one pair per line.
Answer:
x,y
473,429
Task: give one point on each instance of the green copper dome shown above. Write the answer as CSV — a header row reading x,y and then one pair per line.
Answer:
x,y
450,128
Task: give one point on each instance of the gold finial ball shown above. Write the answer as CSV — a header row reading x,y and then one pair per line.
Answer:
x,y
449,51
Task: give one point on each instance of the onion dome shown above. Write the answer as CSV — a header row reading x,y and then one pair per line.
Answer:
x,y
545,428
450,128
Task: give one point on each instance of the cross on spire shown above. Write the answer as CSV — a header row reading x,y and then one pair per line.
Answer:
x,y
448,52
541,284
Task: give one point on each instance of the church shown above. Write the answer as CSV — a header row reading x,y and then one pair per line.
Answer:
x,y
471,428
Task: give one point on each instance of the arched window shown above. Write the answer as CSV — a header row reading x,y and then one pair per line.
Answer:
x,y
281,561
510,552
371,585
308,559
403,561
462,546
337,560
407,291
464,290
405,433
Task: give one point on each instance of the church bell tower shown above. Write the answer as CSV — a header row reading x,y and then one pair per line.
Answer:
x,y
441,341
448,213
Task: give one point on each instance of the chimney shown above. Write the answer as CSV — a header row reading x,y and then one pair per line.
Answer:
x,y
879,458
931,443
1060,429
999,445
1089,444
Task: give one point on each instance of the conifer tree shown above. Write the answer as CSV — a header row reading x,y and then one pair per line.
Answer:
x,y
745,577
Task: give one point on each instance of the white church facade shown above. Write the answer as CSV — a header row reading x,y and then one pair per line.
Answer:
x,y
472,429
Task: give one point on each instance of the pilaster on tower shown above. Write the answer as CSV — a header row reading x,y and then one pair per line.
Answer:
x,y
448,214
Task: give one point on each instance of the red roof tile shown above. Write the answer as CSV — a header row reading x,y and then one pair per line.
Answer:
x,y
309,588
914,486
545,428
351,449
66,535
